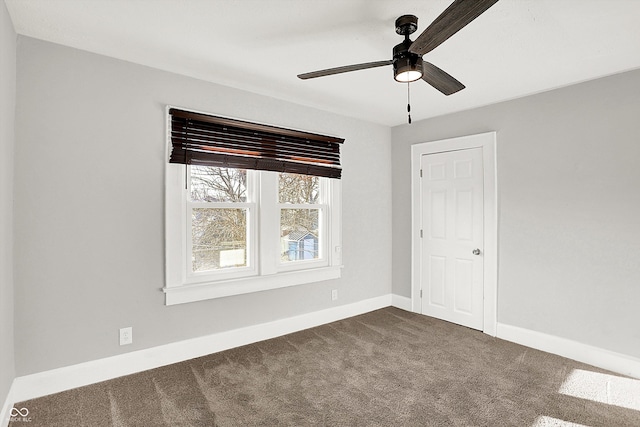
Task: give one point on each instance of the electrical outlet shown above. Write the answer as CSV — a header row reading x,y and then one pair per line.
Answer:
x,y
338,256
126,335
334,294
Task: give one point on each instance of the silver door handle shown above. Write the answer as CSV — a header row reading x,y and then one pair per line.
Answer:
x,y
476,251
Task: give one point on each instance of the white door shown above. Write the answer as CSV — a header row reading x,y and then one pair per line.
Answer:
x,y
451,205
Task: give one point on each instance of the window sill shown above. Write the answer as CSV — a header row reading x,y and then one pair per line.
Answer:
x,y
220,289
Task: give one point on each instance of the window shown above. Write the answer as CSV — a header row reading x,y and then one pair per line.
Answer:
x,y
301,213
220,214
235,230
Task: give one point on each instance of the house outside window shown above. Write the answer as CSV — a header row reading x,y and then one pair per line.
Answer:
x,y
299,245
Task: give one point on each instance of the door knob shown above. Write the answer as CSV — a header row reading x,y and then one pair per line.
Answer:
x,y
476,251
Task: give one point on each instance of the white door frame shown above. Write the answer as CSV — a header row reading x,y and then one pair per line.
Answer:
x,y
487,142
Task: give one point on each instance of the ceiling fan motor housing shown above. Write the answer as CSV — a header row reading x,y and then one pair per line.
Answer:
x,y
407,66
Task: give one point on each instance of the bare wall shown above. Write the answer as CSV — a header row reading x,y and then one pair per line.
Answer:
x,y
7,138
569,208
90,159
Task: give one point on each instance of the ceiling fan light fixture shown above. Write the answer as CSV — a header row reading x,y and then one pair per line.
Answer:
x,y
408,76
407,70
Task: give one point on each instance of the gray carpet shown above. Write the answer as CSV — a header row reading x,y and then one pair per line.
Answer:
x,y
385,368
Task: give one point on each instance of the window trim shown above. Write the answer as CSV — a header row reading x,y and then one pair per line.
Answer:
x,y
203,291
269,272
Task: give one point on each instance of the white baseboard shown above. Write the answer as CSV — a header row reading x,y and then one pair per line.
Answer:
x,y
5,413
401,302
601,358
69,377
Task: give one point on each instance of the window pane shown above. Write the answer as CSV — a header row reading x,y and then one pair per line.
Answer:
x,y
299,234
294,188
219,238
212,184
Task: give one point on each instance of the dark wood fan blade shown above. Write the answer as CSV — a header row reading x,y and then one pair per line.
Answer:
x,y
344,69
439,79
453,19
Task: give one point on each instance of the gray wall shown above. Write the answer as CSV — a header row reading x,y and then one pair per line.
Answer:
x,y
88,209
7,137
89,203
569,208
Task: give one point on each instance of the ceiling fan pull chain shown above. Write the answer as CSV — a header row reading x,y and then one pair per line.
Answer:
x,y
408,104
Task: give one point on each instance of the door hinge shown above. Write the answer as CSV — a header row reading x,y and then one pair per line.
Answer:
x,y
420,173
420,293
421,234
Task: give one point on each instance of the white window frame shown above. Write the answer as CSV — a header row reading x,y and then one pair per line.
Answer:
x,y
323,226
266,270
251,269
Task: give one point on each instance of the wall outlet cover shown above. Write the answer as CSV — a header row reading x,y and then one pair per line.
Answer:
x,y
126,335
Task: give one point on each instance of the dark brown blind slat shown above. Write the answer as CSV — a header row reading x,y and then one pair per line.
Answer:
x,y
205,140
224,141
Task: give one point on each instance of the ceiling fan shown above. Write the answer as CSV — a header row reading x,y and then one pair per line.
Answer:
x,y
407,62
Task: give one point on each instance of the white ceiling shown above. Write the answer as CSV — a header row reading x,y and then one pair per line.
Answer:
x,y
516,48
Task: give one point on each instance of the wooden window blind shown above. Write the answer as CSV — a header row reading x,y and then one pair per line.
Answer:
x,y
200,139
